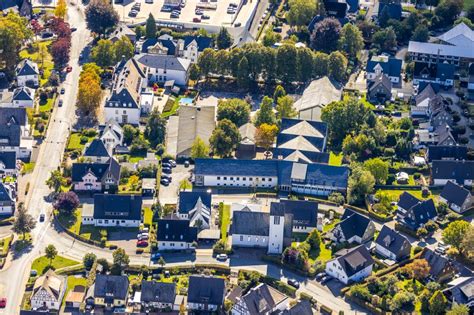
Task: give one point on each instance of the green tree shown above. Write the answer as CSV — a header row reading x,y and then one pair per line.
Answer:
x,y
199,149
385,39
150,27
161,262
304,64
467,244
458,309
24,222
123,49
421,34
55,181
155,129
120,258
337,197
243,73
270,38
337,66
314,239
361,182
103,54
351,40
448,10
326,35
194,72
265,135
101,16
378,168
235,110
455,232
50,252
129,133
139,31
61,9
300,12
438,303
384,16
286,59
223,39
279,92
224,138
285,107
265,114
206,61
14,32
88,260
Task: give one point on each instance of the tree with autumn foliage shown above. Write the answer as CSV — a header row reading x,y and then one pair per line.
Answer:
x,y
418,269
90,93
265,135
60,51
61,9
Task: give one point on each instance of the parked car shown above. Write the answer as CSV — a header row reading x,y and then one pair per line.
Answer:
x,y
199,12
222,257
326,279
142,243
68,69
143,234
167,177
166,170
63,90
3,302
205,17
167,165
166,9
60,103
41,217
155,256
148,1
133,13
294,283
174,16
164,182
33,273
73,29
186,163
320,275
196,20
143,238
170,161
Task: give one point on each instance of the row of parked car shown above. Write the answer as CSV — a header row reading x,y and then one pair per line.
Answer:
x,y
142,237
135,9
166,170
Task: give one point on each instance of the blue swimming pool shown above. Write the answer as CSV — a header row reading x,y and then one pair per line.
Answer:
x,y
186,101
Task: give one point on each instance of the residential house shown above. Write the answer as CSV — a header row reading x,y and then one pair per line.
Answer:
x,y
205,293
162,68
175,234
75,297
302,307
96,152
247,136
441,268
460,172
191,47
48,291
12,138
110,291
391,67
27,73
354,266
414,213
22,97
95,176
195,207
441,73
392,245
260,300
461,291
304,212
446,152
427,103
123,30
157,295
379,90
457,198
7,201
191,122
130,81
302,141
311,179
441,136
336,8
15,116
353,228
8,164
114,210
392,9
452,47
271,231
316,96
111,135
23,7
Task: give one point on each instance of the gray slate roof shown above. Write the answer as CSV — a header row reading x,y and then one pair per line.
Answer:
x,y
393,242
163,62
23,93
10,135
455,170
454,193
13,115
111,287
353,224
355,260
8,159
176,230
160,292
96,148
124,207
250,223
206,290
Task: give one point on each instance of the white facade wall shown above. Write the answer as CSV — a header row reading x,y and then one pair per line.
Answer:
x,y
240,181
23,103
334,269
21,152
191,52
23,79
373,75
6,209
240,240
416,81
198,306
117,222
442,182
315,190
42,297
385,252
165,245
123,115
159,75
276,234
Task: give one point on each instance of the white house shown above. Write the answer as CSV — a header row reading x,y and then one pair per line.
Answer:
x,y
114,210
7,202
389,66
8,164
304,212
191,47
13,139
205,293
157,295
27,73
353,228
354,266
261,300
23,97
175,234
392,245
112,135
97,152
95,176
48,291
146,102
162,68
458,198
196,207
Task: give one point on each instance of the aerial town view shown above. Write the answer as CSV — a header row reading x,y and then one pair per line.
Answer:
x,y
243,157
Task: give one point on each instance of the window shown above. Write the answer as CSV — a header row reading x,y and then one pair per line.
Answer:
x,y
276,220
241,238
238,178
244,178
225,178
231,178
218,177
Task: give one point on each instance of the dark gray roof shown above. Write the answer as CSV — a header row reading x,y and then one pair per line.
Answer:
x,y
419,214
8,159
454,193
111,287
305,212
250,223
355,260
455,170
176,230
26,67
407,200
203,42
303,307
13,115
262,299
236,167
441,71
188,199
8,4
381,80
98,169
158,292
4,194
394,10
10,135
96,148
316,174
461,293
23,94
353,224
206,290
163,62
392,67
439,265
123,207
393,242
447,152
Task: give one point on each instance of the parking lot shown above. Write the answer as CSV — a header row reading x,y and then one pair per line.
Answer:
x,y
169,194
216,10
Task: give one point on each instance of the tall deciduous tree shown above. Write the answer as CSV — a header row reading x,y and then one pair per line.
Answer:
x,y
385,39
123,48
50,252
194,72
301,12
337,66
67,202
14,32
199,149
286,59
243,73
279,92
61,9
265,114
120,258
103,53
55,180
101,16
361,182
265,135
467,243
223,39
455,232
90,93
378,168
326,35
60,51
285,107
88,260
438,303
24,222
235,110
224,138
421,34
351,40
150,28
155,129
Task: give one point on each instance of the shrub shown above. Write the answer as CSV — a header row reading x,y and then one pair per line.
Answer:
x,y
463,140
416,176
417,249
91,132
431,226
453,216
84,139
390,179
139,251
361,292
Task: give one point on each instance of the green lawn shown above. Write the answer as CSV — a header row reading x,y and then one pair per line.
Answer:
x,y
147,216
170,111
45,61
395,194
411,182
48,106
73,281
75,141
130,158
468,4
40,263
72,222
335,159
4,244
225,221
330,226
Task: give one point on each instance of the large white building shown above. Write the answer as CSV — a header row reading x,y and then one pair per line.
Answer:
x,y
175,234
162,68
113,211
48,291
354,266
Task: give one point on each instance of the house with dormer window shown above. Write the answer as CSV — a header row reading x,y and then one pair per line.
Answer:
x,y
175,234
48,291
92,176
158,295
353,228
205,293
392,245
389,66
196,207
353,266
414,213
27,73
110,291
113,210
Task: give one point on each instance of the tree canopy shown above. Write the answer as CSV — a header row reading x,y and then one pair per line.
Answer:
x,y
224,138
235,110
101,16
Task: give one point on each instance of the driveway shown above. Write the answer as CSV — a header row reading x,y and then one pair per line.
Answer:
x,y
169,194
126,239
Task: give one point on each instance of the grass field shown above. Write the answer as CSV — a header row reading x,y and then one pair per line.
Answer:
x,y
395,194
225,221
330,226
75,141
468,4
40,263
28,168
335,159
48,106
44,60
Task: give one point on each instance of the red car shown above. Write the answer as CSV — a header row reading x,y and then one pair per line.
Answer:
x,y
142,243
3,302
68,69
